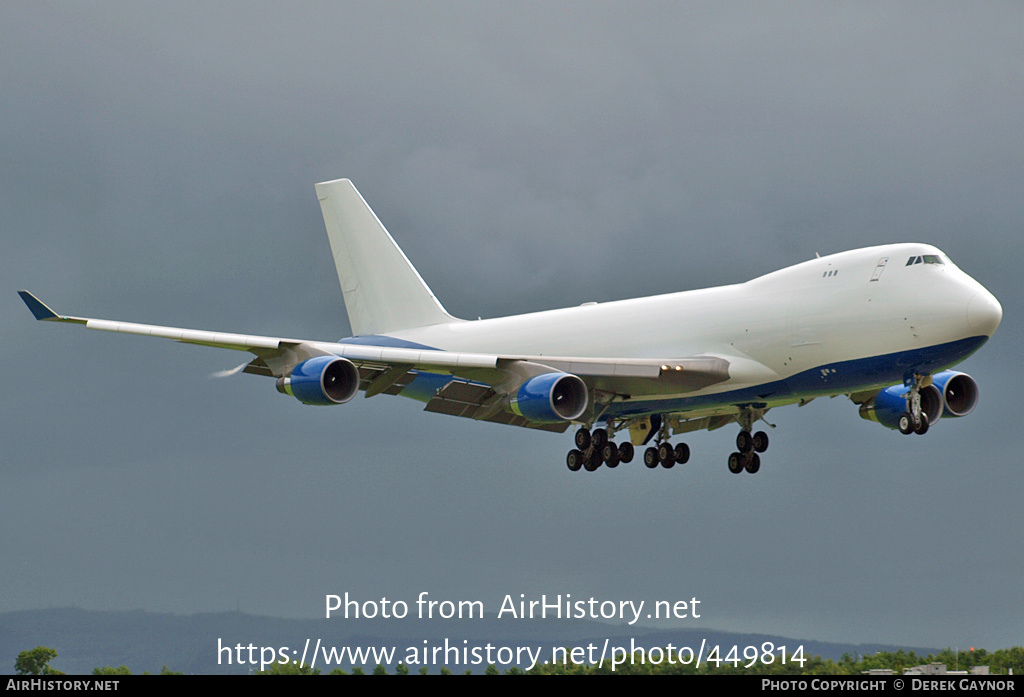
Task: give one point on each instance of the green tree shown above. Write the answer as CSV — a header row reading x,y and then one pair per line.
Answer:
x,y
36,662
291,668
110,670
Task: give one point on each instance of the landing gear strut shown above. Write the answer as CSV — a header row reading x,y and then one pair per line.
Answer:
x,y
915,420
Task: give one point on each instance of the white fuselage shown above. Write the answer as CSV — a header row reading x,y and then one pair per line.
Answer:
x,y
845,307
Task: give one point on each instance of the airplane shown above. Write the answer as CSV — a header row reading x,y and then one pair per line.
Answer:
x,y
882,325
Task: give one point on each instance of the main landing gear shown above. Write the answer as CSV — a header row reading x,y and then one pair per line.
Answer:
x,y
666,455
749,446
595,448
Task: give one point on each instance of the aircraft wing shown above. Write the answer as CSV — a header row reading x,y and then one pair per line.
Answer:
x,y
480,383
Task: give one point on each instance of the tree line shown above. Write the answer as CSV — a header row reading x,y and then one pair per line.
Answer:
x,y
37,662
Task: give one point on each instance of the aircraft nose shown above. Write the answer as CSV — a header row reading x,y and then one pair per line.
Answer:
x,y
984,313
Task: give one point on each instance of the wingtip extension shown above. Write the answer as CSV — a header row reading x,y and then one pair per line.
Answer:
x,y
37,307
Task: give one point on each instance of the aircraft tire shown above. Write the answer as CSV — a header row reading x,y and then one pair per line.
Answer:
x,y
753,463
592,461
583,439
906,423
651,457
682,453
736,463
922,428
574,460
610,454
598,438
666,452
760,442
626,452
744,442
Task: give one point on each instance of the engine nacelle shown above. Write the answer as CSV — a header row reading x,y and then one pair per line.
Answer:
x,y
550,398
322,381
959,393
951,394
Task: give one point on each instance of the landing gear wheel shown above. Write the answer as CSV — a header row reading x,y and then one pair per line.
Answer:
x,y
626,452
651,457
760,442
753,463
574,460
592,461
599,437
922,428
906,423
667,455
744,442
735,463
583,439
682,453
610,454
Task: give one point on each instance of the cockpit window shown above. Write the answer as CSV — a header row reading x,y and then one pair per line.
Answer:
x,y
925,259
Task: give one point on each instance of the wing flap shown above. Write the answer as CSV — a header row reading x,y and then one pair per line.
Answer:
x,y
472,401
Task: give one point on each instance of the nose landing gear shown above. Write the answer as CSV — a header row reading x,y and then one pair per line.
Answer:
x,y
915,420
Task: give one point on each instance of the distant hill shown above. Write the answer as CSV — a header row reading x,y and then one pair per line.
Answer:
x,y
146,641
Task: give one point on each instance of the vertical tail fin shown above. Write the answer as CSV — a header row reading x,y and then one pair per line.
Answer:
x,y
383,291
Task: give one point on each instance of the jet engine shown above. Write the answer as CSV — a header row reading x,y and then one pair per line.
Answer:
x,y
550,398
951,394
959,393
323,380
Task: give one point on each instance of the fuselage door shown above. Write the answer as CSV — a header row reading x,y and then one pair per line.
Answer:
x,y
879,268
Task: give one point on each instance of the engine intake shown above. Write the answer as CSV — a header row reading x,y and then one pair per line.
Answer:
x,y
321,381
959,393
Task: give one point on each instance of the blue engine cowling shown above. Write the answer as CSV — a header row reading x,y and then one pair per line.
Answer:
x,y
951,394
322,381
550,398
959,393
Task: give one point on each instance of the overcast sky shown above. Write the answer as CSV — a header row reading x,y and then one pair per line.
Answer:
x,y
158,163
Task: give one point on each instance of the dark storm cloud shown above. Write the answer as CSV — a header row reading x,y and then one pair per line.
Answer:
x,y
159,162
